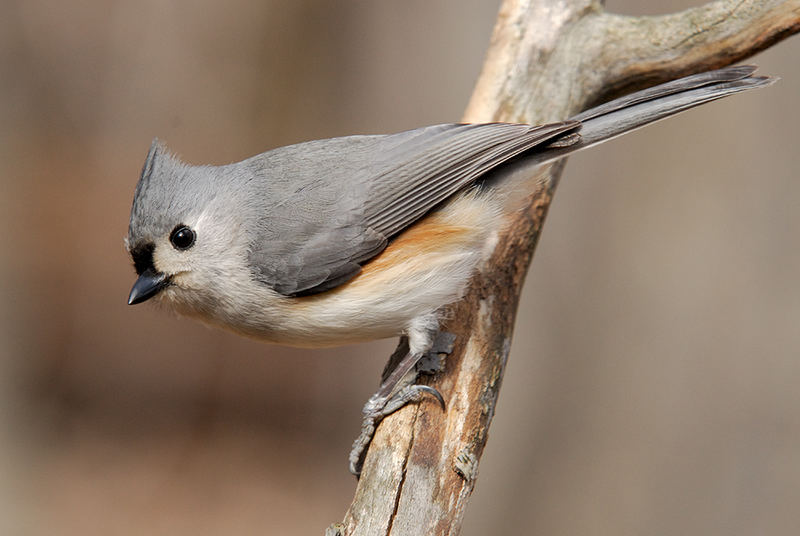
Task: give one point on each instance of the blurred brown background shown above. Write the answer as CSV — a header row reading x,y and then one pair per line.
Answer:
x,y
652,384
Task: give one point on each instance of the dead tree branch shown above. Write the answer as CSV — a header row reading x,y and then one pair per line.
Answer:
x,y
548,59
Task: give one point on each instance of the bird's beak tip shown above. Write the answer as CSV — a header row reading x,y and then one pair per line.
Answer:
x,y
146,286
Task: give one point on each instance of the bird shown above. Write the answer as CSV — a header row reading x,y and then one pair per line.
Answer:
x,y
355,238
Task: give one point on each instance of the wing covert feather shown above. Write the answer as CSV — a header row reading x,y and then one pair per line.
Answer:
x,y
340,200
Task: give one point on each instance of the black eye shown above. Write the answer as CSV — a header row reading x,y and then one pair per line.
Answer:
x,y
182,237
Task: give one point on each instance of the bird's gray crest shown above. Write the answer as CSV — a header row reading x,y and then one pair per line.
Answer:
x,y
166,191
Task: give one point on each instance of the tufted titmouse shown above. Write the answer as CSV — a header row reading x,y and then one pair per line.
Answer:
x,y
356,238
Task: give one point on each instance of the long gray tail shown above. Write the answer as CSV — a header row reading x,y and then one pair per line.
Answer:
x,y
641,108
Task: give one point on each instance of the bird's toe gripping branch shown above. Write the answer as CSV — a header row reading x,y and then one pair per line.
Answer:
x,y
398,390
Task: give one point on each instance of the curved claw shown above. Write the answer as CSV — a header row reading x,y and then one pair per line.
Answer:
x,y
433,392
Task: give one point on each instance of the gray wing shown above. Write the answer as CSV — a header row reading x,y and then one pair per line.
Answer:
x,y
331,205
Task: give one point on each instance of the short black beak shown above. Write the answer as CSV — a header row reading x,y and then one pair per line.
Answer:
x,y
147,286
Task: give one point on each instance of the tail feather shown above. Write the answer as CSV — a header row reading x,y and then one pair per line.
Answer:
x,y
641,108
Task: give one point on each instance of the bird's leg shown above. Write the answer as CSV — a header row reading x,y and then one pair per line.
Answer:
x,y
432,361
398,389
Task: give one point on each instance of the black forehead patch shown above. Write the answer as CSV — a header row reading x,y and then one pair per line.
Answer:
x,y
142,256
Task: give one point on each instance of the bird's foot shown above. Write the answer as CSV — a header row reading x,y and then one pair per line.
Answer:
x,y
378,407
393,395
